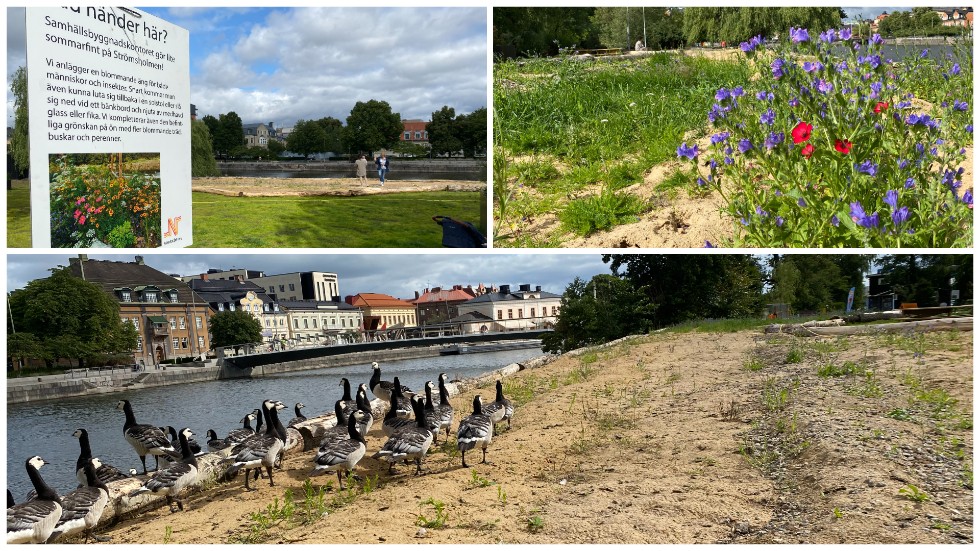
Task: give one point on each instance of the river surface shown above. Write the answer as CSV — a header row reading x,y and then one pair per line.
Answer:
x,y
478,176
46,428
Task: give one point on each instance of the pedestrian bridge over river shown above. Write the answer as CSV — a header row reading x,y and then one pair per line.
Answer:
x,y
258,356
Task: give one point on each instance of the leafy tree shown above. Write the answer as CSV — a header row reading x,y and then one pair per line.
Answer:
x,y
307,138
230,134
372,126
734,25
443,132
818,282
214,128
275,148
71,318
410,149
664,27
19,146
925,279
23,346
334,134
542,31
472,130
202,154
604,309
234,327
693,287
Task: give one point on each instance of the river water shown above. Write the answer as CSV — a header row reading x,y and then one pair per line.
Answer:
x,y
46,428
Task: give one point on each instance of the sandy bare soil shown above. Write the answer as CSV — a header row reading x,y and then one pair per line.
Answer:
x,y
671,438
281,187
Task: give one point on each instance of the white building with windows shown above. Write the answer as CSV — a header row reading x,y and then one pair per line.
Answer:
x,y
238,294
320,286
507,310
322,322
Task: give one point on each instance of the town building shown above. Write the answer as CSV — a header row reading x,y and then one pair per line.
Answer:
x,y
230,295
258,134
321,286
438,305
413,130
322,322
956,17
506,310
214,274
383,312
171,320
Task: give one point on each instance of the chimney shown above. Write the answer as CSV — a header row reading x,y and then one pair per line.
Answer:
x,y
139,260
526,287
204,277
416,295
538,289
505,289
349,299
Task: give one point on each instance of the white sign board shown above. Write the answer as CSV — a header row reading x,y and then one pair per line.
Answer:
x,y
110,128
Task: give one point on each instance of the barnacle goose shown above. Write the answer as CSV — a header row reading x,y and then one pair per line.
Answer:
x,y
443,407
382,389
392,423
175,440
501,408
82,508
260,451
404,409
33,521
341,455
475,430
347,402
145,439
433,420
338,431
216,444
364,406
105,473
299,416
408,443
173,479
238,435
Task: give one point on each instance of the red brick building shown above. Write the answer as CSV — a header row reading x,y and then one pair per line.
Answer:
x,y
414,131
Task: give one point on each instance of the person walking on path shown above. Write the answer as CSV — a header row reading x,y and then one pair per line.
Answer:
x,y
383,167
361,169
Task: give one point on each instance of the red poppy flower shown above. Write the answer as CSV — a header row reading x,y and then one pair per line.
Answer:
x,y
802,132
881,106
842,146
808,150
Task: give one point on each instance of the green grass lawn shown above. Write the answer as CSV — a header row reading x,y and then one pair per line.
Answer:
x,y
402,220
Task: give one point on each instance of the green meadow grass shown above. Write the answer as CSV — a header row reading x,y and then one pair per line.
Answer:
x,y
402,220
577,124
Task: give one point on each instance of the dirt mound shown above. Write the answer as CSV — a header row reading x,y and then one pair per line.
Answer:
x,y
284,187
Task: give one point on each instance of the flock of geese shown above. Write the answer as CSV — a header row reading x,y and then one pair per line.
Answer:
x,y
411,424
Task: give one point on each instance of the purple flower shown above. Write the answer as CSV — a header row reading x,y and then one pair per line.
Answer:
x,y
891,198
868,167
910,183
729,160
701,182
746,47
960,105
768,118
738,92
824,87
834,221
760,212
969,128
902,164
774,139
857,211
876,39
690,152
779,221
744,145
968,198
795,102
798,34
777,68
956,69
801,202
841,67
900,216
812,66
719,137
828,36
708,245
924,54
845,34
875,89
722,95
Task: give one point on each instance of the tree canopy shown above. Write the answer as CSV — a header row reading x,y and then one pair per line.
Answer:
x,y
230,328
927,279
19,143
202,154
921,21
371,126
622,27
542,31
817,283
734,25
307,138
67,318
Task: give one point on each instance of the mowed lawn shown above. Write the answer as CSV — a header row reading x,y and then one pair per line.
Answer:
x,y
402,220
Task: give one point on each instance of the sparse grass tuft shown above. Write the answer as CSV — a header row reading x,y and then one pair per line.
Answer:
x,y
438,512
913,493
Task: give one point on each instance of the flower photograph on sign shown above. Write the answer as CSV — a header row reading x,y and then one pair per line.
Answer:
x,y
105,200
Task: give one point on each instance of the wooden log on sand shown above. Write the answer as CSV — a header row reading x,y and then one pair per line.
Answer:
x,y
838,329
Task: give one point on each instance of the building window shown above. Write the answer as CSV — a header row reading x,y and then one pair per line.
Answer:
x,y
532,312
314,323
500,314
173,323
173,296
265,306
139,344
180,322
200,342
176,343
136,323
197,321
268,323
408,135
183,343
127,296
149,296
554,310
520,312
231,306
292,287
306,323
296,323
282,288
418,135
510,314
272,288
221,306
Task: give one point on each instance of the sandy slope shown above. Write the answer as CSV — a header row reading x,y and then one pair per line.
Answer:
x,y
278,187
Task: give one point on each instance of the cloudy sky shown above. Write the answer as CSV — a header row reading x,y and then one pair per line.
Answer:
x,y
284,64
393,274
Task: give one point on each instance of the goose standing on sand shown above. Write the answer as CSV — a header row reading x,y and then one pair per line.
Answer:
x,y
341,455
337,432
238,435
476,430
501,408
444,409
364,406
408,443
260,451
82,508
433,417
348,402
299,416
145,439
105,473
216,444
383,389
404,409
392,423
33,521
177,476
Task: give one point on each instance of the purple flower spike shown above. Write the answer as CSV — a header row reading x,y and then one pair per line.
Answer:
x,y
844,34
960,105
910,183
779,221
690,152
777,68
708,245
719,138
768,118
891,198
968,198
868,167
722,95
834,221
900,216
798,34
876,39
744,145
956,69
824,87
828,36
801,202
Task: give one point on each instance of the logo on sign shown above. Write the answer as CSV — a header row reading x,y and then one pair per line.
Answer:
x,y
172,227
